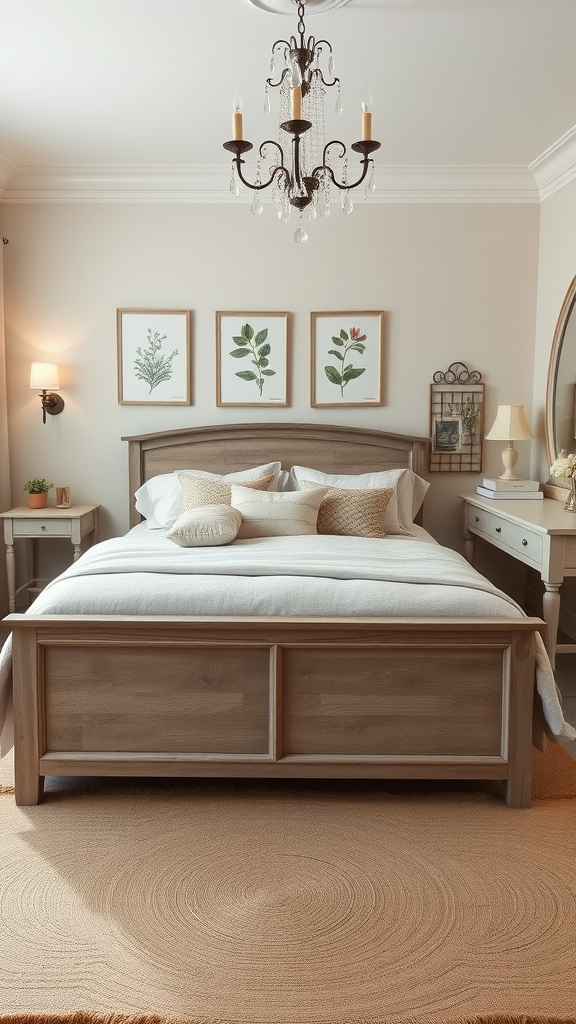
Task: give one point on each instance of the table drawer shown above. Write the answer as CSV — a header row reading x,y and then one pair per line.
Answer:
x,y
525,542
42,527
520,540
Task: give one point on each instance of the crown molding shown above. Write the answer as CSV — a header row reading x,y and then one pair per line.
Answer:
x,y
556,166
8,169
210,184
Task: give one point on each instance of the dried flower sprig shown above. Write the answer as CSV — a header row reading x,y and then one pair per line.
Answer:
x,y
151,366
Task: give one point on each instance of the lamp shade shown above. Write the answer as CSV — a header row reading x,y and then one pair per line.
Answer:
x,y
510,425
44,377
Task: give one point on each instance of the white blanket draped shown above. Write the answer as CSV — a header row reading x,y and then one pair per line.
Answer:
x,y
320,576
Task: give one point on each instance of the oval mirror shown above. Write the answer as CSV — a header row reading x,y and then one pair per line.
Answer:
x,y
561,388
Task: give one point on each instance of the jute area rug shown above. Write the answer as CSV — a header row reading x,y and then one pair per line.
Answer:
x,y
316,903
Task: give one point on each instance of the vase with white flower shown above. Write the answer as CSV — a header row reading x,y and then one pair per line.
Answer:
x,y
565,466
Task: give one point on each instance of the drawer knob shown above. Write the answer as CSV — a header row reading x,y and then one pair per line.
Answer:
x,y
524,543
476,519
498,529
42,527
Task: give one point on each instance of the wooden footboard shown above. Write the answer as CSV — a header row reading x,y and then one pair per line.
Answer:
x,y
283,698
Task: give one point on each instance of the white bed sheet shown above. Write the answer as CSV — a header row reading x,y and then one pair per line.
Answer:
x,y
143,573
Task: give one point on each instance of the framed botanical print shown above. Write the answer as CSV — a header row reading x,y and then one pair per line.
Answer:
x,y
153,356
346,359
252,359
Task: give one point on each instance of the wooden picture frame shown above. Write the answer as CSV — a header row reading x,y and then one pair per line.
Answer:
x,y
252,359
456,420
153,356
347,359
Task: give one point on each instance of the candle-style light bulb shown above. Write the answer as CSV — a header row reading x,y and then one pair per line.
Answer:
x,y
366,116
237,106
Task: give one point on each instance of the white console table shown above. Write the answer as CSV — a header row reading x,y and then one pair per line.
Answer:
x,y
540,534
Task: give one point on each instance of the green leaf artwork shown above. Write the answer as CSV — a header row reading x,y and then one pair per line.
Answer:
x,y
255,345
151,366
342,375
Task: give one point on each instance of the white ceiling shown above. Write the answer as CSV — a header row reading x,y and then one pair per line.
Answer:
x,y
133,98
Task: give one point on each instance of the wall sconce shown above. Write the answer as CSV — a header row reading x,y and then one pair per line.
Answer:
x,y
44,377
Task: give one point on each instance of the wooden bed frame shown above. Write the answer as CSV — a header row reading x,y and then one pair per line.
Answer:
x,y
357,698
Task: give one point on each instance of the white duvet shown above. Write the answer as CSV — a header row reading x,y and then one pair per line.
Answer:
x,y
143,573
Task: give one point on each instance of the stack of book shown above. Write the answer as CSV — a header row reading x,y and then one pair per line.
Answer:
x,y
504,489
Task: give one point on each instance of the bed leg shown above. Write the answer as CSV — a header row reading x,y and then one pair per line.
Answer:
x,y
518,786
28,718
518,791
28,791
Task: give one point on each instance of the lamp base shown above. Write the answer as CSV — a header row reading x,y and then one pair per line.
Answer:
x,y
509,458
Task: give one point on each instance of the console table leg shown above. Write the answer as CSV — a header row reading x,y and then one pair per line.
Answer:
x,y
11,574
551,614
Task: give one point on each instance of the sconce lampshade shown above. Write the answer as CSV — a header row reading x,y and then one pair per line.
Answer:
x,y
44,377
510,425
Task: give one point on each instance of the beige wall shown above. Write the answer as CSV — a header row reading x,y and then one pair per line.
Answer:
x,y
458,282
556,269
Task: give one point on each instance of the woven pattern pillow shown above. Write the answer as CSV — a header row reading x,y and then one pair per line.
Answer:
x,y
159,500
198,491
277,514
409,491
206,526
352,513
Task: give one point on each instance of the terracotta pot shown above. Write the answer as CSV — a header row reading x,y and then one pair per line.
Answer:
x,y
38,500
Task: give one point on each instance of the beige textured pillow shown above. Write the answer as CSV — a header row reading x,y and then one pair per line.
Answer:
x,y
352,513
276,514
198,491
206,526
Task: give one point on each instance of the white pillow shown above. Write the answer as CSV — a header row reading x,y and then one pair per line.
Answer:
x,y
159,500
409,491
208,525
276,514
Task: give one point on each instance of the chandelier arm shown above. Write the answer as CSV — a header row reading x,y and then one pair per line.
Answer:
x,y
274,85
319,171
320,74
278,170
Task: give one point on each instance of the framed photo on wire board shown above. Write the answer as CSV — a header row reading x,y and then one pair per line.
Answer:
x,y
456,420
153,356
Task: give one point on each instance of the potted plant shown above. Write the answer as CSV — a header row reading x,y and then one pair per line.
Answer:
x,y
37,492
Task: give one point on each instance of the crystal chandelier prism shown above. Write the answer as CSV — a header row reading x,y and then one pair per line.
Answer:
x,y
299,167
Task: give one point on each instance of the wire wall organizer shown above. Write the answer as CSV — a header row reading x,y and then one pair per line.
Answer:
x,y
456,420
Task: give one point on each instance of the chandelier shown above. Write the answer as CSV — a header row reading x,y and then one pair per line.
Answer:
x,y
302,175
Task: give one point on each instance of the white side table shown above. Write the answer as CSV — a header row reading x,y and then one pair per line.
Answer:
x,y
75,522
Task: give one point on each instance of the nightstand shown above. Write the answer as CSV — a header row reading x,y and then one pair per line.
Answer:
x,y
539,533
75,522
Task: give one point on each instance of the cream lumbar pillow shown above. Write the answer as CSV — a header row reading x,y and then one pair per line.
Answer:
x,y
352,512
206,526
276,514
198,491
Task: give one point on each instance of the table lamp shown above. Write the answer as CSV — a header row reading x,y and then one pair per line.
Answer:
x,y
510,425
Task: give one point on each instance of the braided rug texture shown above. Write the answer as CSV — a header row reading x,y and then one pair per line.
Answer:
x,y
302,905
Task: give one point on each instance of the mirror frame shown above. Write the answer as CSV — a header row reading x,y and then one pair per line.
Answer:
x,y
553,488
